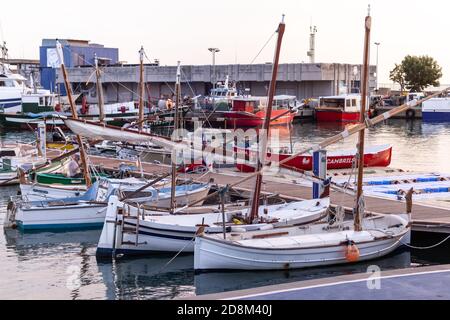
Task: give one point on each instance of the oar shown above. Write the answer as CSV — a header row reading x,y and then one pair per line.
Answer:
x,y
343,135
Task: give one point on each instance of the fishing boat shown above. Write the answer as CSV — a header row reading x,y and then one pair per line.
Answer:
x,y
376,156
343,108
249,112
38,192
89,209
14,156
335,242
140,230
301,247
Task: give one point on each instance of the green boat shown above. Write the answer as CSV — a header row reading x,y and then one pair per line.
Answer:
x,y
58,178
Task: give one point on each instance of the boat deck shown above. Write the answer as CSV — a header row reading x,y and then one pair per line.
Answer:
x,y
428,283
426,217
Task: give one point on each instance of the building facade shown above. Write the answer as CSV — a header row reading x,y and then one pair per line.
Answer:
x,y
77,53
300,80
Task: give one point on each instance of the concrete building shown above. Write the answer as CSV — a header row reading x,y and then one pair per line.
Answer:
x,y
77,53
301,80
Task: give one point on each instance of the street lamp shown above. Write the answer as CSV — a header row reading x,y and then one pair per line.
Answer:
x,y
378,46
214,51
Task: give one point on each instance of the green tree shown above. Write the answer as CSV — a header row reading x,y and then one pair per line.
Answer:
x,y
416,73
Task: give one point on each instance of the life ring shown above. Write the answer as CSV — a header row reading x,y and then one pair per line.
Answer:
x,y
410,114
84,106
123,109
58,107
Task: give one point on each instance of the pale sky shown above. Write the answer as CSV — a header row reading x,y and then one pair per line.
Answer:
x,y
183,30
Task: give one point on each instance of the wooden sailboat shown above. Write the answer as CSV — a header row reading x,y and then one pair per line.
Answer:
x,y
315,245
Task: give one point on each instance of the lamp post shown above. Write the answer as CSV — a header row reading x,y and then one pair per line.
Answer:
x,y
378,45
214,51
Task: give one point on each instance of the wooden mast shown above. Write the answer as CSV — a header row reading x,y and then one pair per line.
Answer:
x,y
141,89
173,203
266,126
99,92
83,156
361,144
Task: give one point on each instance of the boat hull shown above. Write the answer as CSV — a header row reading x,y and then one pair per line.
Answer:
x,y
215,255
337,116
238,119
436,116
378,158
177,233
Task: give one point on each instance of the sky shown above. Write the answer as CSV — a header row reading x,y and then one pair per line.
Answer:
x,y
185,29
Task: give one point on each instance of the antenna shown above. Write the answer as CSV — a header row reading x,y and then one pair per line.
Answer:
x,y
312,44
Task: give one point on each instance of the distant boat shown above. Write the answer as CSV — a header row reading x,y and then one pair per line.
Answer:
x,y
344,108
436,110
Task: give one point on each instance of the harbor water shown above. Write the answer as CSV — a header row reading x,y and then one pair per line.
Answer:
x,y
63,265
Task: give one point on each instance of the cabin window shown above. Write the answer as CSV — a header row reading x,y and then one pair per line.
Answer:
x,y
2,83
354,102
348,103
7,153
41,101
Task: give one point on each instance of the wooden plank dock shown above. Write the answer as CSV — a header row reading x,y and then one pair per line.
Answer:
x,y
426,218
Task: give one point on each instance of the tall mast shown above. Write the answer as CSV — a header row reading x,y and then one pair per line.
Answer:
x,y
141,89
99,92
364,96
176,122
83,156
266,126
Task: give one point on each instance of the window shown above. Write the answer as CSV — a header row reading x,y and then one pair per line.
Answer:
x,y
354,103
41,101
7,153
348,103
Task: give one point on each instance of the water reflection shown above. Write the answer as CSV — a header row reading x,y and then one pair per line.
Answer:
x,y
151,278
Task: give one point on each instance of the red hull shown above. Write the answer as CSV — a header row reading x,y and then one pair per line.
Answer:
x,y
241,119
337,116
381,158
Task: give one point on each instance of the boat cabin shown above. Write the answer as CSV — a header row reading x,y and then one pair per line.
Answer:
x,y
248,104
38,103
346,103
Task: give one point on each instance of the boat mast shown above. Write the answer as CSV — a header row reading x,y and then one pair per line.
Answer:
x,y
266,126
141,89
99,92
173,204
361,144
83,155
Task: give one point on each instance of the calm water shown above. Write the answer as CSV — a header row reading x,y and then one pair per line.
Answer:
x,y
64,266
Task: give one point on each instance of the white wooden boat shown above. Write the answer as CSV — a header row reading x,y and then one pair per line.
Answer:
x,y
40,192
88,210
142,231
301,247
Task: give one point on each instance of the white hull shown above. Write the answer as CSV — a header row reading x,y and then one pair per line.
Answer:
x,y
172,233
38,192
313,248
79,216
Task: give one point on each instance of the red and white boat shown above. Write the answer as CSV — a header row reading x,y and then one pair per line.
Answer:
x,y
344,108
249,112
376,156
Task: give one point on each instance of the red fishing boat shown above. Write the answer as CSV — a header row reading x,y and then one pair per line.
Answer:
x,y
345,108
249,112
377,156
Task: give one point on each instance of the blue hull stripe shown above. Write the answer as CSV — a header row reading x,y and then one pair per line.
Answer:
x,y
11,100
68,226
10,105
436,116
